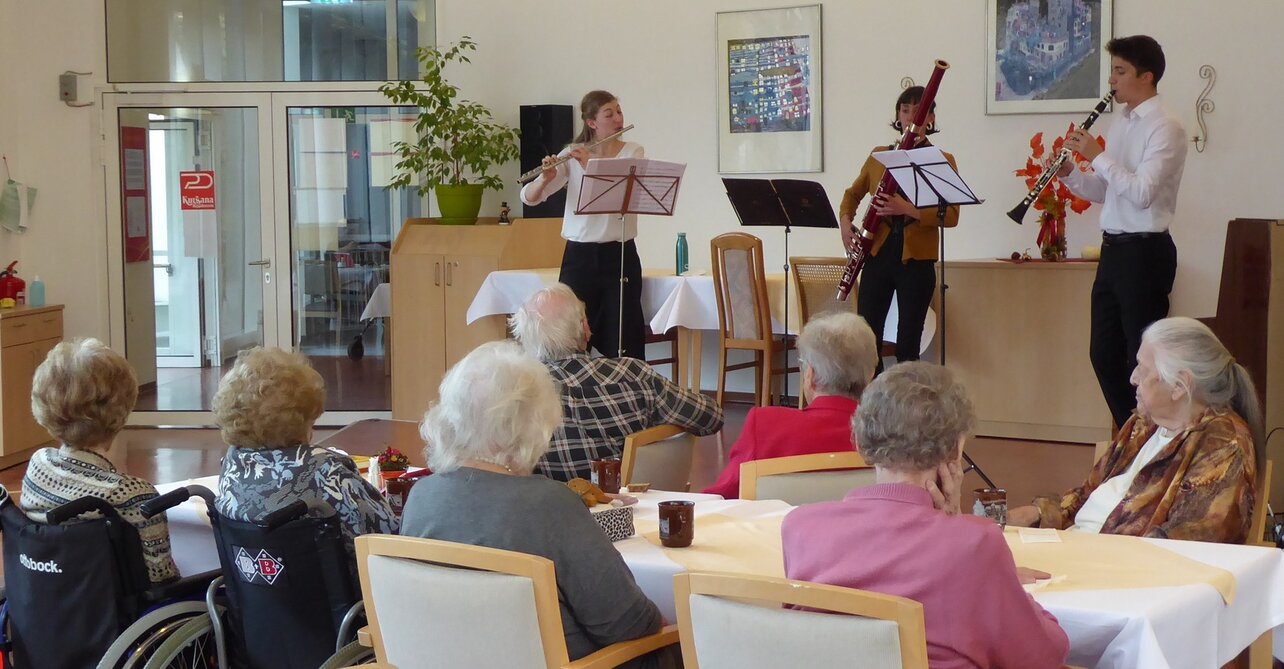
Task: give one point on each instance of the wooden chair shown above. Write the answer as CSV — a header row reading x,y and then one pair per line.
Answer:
x,y
805,479
318,296
672,361
744,314
442,604
659,455
730,620
1257,529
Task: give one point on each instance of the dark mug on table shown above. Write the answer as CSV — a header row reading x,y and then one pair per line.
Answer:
x,y
994,503
677,523
606,474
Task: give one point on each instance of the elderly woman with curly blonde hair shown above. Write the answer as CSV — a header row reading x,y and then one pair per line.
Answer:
x,y
82,394
265,408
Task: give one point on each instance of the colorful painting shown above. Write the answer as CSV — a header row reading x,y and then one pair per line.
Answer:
x,y
769,102
1047,55
767,82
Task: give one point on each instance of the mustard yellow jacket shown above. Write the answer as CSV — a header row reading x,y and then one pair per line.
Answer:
x,y
920,236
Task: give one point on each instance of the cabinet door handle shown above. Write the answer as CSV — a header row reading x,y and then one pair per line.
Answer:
x,y
436,274
19,324
449,279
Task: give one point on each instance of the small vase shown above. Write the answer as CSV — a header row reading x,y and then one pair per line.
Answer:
x,y
1052,232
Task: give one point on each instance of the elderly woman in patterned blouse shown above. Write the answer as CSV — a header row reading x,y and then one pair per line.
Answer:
x,y
82,393
265,408
1185,466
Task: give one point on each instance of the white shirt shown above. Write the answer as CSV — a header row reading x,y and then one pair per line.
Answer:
x,y
1092,515
592,227
1136,178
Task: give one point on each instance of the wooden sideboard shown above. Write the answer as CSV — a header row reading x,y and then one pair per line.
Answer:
x,y
1017,335
436,271
27,334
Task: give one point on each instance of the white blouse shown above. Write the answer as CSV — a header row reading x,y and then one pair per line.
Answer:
x,y
594,228
1092,515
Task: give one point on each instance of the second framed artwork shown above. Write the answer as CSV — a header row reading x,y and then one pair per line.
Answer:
x,y
1047,56
769,97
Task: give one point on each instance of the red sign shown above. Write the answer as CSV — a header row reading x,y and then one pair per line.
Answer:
x,y
196,190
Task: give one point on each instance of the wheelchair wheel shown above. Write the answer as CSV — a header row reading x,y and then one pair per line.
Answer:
x,y
140,640
191,646
351,654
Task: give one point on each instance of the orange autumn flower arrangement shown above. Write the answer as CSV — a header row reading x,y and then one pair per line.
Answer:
x,y
1055,198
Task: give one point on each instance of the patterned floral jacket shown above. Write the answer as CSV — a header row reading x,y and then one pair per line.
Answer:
x,y
1200,487
256,481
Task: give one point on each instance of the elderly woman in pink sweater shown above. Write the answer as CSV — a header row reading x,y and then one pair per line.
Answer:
x,y
904,535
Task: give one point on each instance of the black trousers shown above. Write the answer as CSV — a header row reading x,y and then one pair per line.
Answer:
x,y
912,282
1130,292
592,270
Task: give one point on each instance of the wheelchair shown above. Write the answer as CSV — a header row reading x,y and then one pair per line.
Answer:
x,y
292,601
77,593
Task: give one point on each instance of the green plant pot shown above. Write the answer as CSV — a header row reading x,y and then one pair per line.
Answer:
x,y
459,204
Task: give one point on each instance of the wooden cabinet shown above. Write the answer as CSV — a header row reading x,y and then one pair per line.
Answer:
x,y
436,272
27,334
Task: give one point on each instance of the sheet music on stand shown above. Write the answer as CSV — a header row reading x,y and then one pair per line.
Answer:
x,y
926,177
630,186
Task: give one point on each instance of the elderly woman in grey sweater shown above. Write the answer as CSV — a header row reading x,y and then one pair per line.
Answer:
x,y
497,410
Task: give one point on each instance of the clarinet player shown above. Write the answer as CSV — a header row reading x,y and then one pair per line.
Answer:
x,y
1136,179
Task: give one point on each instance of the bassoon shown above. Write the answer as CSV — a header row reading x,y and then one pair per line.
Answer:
x,y
1018,212
863,237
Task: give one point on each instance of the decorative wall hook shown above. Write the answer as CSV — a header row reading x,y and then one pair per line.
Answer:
x,y
1203,105
906,82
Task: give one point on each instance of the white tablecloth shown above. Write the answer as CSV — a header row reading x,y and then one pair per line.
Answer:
x,y
1185,627
380,304
191,538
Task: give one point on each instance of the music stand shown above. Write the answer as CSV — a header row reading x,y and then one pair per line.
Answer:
x,y
628,186
928,180
781,203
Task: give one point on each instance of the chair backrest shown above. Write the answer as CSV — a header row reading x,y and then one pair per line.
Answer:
x,y
730,620
71,588
805,479
293,582
659,455
1257,529
740,286
817,281
442,604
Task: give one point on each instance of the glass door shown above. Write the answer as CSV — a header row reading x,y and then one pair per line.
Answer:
x,y
191,240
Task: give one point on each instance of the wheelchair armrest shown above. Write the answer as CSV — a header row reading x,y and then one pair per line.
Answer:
x,y
296,509
173,498
183,588
61,514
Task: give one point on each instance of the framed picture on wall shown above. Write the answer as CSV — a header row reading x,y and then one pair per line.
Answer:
x,y
769,102
1046,55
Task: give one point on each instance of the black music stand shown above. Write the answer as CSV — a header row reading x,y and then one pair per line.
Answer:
x,y
781,203
622,186
928,180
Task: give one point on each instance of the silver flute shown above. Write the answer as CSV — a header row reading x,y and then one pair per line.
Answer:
x,y
528,176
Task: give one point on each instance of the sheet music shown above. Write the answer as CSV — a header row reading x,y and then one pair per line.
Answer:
x,y
655,189
931,161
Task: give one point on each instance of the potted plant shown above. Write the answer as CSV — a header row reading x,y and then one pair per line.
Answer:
x,y
458,140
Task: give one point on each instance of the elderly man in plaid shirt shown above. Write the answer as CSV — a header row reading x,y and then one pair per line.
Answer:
x,y
604,400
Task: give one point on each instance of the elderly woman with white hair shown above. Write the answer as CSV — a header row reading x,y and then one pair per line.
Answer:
x,y
904,535
82,394
497,409
838,354
265,407
1186,463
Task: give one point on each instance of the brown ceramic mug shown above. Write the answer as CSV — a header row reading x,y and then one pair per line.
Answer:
x,y
677,523
397,490
994,502
606,474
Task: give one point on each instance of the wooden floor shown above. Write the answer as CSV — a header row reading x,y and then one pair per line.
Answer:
x,y
351,385
1024,468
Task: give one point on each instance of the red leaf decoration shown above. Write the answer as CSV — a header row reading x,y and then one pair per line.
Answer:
x,y
1036,145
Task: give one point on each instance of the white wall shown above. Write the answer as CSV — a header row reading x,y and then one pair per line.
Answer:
x,y
657,55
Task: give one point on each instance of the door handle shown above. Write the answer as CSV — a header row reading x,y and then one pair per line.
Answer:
x,y
436,274
169,268
260,263
449,278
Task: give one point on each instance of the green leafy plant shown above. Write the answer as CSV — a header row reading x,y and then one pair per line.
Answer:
x,y
457,138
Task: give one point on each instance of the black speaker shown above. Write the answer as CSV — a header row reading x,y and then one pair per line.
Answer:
x,y
546,129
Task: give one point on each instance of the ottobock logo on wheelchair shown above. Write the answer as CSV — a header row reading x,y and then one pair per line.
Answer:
x,y
261,567
47,567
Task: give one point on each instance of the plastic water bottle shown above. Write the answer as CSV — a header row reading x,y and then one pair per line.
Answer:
x,y
36,293
681,252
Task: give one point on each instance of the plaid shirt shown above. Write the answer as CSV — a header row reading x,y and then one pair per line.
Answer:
x,y
605,400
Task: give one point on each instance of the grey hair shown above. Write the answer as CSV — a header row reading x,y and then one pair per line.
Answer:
x,y
1184,344
497,405
841,351
912,417
550,324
